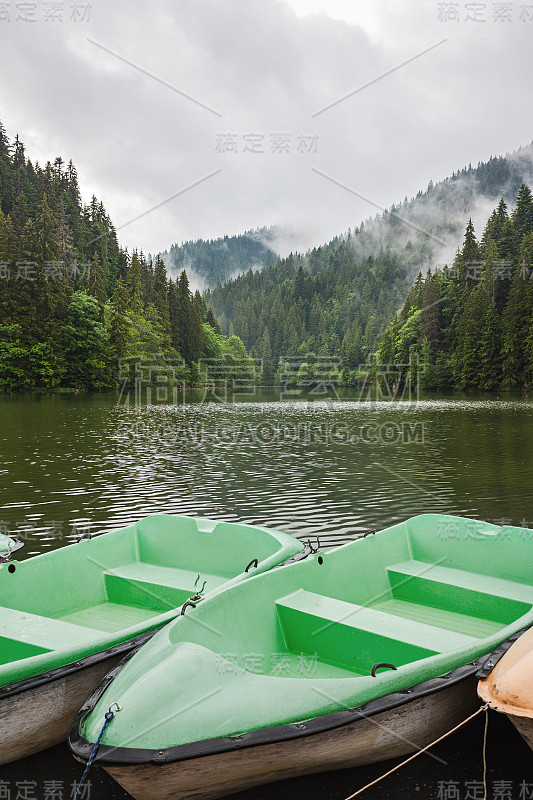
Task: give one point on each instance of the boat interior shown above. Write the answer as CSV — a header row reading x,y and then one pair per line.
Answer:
x,y
131,579
432,602
405,594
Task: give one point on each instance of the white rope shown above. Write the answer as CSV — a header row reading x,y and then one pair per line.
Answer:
x,y
486,707
423,750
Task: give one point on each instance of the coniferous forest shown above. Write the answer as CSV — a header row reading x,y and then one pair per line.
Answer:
x,y
334,303
76,310
217,260
470,324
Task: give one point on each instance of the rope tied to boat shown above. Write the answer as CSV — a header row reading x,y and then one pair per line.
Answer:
x,y
484,708
109,715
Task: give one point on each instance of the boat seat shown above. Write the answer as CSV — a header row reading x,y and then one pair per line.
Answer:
x,y
43,632
359,635
471,593
152,586
165,576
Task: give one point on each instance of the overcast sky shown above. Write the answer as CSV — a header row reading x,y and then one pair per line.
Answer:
x,y
241,119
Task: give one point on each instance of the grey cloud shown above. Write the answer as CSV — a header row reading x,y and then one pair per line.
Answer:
x,y
136,142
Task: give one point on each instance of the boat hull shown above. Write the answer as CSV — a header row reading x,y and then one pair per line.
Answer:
x,y
390,734
524,726
69,615
39,717
507,687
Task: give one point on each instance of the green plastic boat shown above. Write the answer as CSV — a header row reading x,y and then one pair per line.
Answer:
x,y
360,654
8,546
66,617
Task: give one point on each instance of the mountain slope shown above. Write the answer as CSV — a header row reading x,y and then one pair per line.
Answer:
x,y
340,301
76,310
470,326
217,260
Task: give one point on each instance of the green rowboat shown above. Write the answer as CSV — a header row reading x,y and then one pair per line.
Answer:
x,y
66,617
363,653
8,546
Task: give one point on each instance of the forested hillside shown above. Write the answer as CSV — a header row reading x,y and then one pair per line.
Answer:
x,y
336,300
470,324
73,304
75,307
217,260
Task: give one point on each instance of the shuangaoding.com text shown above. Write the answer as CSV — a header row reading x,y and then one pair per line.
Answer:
x,y
264,433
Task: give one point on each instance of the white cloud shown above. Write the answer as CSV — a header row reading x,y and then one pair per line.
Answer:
x,y
265,69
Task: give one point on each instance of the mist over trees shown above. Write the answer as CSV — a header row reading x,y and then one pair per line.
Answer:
x,y
77,310
213,261
336,301
470,324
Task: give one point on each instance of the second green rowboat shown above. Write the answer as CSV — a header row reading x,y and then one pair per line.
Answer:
x,y
67,616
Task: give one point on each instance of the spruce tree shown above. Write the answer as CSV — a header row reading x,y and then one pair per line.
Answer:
x,y
196,333
160,293
494,227
184,318
135,285
490,373
267,364
430,317
516,319
95,284
470,253
173,315
120,324
523,213
212,320
471,329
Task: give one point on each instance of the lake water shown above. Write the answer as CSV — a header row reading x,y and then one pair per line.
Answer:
x,y
325,468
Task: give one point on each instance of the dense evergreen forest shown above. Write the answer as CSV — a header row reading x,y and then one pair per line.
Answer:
x,y
76,310
336,307
335,301
217,260
470,324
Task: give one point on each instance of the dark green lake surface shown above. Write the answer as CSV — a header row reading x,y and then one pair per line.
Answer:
x,y
330,468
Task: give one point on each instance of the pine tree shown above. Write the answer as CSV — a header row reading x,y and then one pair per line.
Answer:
x,y
495,225
490,374
95,284
523,213
147,280
160,293
267,364
120,324
135,285
471,338
212,320
20,213
196,332
173,315
470,252
19,157
515,330
184,318
430,317
508,243
413,301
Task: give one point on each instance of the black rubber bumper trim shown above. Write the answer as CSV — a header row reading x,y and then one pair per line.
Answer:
x,y
125,756
60,672
492,659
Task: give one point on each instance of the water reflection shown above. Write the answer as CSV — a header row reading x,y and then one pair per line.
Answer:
x,y
330,468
